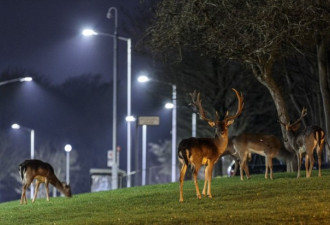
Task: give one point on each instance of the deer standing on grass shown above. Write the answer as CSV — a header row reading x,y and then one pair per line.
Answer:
x,y
268,146
306,141
43,173
205,151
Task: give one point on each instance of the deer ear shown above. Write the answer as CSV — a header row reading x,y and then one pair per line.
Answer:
x,y
229,122
211,123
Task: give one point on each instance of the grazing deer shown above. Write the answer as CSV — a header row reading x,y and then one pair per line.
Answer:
x,y
43,173
306,141
205,151
268,146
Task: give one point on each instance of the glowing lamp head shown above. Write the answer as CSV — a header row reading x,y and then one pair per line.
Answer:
x,y
15,126
88,32
68,148
130,119
26,79
143,79
169,105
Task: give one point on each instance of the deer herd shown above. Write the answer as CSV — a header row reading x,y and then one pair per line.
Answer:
x,y
206,151
197,152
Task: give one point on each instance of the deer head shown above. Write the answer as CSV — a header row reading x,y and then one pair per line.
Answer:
x,y
221,126
66,190
295,125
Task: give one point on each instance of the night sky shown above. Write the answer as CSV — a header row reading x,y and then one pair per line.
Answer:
x,y
45,36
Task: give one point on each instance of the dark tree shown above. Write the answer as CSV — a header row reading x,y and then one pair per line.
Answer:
x,y
256,33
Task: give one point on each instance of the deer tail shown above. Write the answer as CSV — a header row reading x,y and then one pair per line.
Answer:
x,y
182,151
21,170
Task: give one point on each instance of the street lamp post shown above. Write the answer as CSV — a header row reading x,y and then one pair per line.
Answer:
x,y
174,123
114,182
129,117
144,154
174,133
193,124
68,149
17,126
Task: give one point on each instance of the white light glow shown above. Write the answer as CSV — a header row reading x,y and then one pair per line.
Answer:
x,y
88,32
26,79
68,148
143,79
169,105
15,126
130,119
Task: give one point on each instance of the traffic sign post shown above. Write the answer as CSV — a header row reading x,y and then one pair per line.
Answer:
x,y
145,121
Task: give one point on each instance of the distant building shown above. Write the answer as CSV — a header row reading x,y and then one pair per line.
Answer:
x,y
101,179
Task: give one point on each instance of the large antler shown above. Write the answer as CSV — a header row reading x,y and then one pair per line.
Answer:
x,y
240,106
197,102
302,115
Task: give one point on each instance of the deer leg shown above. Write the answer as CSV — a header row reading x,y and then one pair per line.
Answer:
x,y
311,164
26,184
270,164
36,191
197,167
182,174
241,170
266,169
209,178
247,172
47,190
205,180
307,164
242,164
319,157
236,167
319,148
299,163
23,196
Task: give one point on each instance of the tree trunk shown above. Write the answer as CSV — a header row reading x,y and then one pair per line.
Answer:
x,y
264,76
263,73
324,86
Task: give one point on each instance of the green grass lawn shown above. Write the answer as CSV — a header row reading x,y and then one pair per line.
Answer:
x,y
284,200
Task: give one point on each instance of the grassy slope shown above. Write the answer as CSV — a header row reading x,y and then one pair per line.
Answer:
x,y
284,200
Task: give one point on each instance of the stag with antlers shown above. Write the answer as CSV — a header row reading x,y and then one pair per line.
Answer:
x,y
205,151
306,141
43,173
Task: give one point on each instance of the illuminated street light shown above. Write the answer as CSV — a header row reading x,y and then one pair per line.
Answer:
x,y
169,105
20,79
68,149
26,79
130,119
143,79
172,106
17,126
90,32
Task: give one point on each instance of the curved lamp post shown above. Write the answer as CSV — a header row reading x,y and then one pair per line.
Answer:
x,y
172,106
129,117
